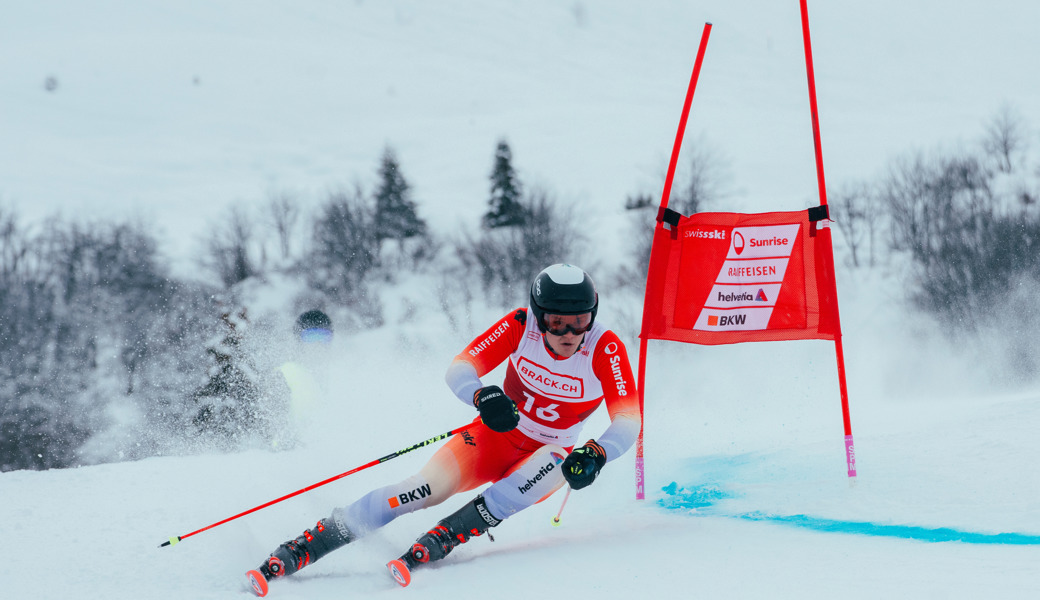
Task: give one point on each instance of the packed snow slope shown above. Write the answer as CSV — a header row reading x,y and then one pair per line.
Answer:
x,y
172,112
747,492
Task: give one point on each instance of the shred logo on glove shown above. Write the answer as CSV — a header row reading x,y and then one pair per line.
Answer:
x,y
412,496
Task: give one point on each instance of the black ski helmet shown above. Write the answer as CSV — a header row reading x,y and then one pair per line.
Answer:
x,y
563,290
312,319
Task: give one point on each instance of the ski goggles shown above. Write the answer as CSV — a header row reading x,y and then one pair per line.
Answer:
x,y
316,334
563,324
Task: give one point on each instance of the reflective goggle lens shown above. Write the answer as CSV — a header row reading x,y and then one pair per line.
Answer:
x,y
562,324
316,335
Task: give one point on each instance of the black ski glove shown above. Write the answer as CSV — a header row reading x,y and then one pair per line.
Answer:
x,y
497,410
583,464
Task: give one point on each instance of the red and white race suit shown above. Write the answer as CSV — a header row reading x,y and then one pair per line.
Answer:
x,y
554,395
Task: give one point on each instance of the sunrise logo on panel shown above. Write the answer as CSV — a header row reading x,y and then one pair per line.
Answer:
x,y
750,279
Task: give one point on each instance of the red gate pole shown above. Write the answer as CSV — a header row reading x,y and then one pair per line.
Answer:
x,y
640,473
850,451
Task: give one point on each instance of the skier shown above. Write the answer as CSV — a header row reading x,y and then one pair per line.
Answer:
x,y
300,385
304,371
562,365
313,326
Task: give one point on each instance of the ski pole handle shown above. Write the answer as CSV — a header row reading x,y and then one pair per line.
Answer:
x,y
173,540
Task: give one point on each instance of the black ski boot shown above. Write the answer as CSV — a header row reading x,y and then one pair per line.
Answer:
x,y
296,554
471,520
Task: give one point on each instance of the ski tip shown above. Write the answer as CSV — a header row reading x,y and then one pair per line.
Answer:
x,y
257,582
399,571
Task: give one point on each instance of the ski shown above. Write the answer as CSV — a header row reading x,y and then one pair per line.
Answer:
x,y
399,571
257,582
397,567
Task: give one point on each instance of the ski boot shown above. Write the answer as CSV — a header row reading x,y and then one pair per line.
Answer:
x,y
296,554
471,520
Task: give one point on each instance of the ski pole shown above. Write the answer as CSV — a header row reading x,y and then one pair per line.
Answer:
x,y
556,519
173,540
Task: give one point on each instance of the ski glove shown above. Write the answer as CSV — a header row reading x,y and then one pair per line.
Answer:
x,y
497,410
583,464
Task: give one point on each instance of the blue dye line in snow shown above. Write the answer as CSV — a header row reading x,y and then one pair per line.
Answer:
x,y
909,532
700,498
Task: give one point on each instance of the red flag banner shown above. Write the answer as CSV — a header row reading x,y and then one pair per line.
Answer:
x,y
726,278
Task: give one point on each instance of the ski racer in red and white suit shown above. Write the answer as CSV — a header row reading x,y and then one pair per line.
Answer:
x,y
562,365
554,397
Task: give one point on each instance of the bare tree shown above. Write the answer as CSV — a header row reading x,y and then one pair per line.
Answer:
x,y
856,212
283,212
84,322
1006,138
229,247
639,201
703,182
506,259
965,243
345,252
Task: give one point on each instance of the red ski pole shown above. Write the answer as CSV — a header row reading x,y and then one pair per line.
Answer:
x,y
173,540
556,519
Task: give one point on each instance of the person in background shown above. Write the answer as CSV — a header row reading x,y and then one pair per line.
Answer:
x,y
562,365
301,380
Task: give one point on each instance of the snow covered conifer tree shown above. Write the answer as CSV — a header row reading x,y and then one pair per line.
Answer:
x,y
505,205
395,216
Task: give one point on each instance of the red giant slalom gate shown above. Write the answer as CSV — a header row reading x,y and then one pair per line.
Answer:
x,y
728,278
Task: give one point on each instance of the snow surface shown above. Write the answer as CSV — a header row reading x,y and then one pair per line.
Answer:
x,y
744,469
172,111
